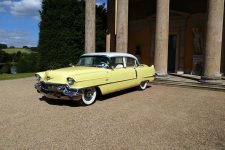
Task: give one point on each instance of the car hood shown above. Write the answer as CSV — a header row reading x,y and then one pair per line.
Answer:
x,y
78,73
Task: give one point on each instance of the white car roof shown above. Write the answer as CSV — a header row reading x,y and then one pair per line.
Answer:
x,y
110,54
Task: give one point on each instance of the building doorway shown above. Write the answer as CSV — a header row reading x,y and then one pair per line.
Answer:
x,y
172,53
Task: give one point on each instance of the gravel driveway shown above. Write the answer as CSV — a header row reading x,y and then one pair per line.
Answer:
x,y
158,118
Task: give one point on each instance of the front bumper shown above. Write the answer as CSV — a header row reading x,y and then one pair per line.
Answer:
x,y
57,89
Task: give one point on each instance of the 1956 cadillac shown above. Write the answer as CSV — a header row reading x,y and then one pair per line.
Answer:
x,y
95,73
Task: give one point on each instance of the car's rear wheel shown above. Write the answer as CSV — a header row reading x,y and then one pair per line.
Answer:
x,y
89,96
143,85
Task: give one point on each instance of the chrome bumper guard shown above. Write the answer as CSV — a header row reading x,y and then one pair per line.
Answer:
x,y
57,88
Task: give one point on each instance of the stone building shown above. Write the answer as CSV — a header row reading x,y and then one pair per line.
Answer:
x,y
177,36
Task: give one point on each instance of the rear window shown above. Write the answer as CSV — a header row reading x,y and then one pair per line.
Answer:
x,y
116,62
130,62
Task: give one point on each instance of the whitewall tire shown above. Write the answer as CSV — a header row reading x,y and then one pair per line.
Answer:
x,y
89,96
143,85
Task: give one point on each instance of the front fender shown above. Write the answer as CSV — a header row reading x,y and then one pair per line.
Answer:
x,y
91,79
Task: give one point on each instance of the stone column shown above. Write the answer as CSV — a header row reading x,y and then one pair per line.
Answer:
x,y
90,15
223,50
111,36
214,39
122,26
161,37
108,39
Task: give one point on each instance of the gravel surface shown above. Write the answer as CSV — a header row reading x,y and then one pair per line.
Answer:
x,y
158,118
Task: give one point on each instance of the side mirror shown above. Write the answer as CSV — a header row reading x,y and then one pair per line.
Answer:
x,y
71,65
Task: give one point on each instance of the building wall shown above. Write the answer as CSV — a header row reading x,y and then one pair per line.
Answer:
x,y
185,16
195,21
141,36
189,48
139,44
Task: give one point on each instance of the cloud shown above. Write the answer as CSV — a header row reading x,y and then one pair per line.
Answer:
x,y
6,3
101,1
27,7
2,10
15,38
98,3
22,7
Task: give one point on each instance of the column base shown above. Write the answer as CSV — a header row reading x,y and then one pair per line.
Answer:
x,y
180,72
160,74
211,78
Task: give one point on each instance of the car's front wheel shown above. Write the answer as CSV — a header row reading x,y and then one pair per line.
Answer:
x,y
89,96
143,85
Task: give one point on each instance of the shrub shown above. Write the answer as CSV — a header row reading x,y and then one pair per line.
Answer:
x,y
5,57
5,69
3,46
28,63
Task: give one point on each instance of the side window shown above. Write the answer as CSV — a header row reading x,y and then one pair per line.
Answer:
x,y
87,61
130,62
117,62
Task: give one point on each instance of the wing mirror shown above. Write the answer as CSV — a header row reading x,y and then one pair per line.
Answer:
x,y
71,65
112,67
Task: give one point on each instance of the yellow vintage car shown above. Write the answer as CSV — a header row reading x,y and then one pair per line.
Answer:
x,y
95,73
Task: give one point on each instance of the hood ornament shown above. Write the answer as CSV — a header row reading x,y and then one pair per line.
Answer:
x,y
49,78
47,75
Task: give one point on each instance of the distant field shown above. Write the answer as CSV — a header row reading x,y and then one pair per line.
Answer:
x,y
15,50
15,76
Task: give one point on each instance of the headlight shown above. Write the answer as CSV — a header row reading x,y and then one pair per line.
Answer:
x,y
70,81
38,77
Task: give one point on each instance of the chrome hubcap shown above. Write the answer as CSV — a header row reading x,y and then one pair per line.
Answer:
x,y
143,85
88,93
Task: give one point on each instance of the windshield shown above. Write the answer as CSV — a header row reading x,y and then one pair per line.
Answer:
x,y
94,61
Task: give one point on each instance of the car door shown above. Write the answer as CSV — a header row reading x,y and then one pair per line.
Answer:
x,y
130,67
120,71
122,76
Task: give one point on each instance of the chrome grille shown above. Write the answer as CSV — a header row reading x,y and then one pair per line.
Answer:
x,y
51,87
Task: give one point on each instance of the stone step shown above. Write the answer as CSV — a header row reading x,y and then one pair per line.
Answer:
x,y
208,83
211,86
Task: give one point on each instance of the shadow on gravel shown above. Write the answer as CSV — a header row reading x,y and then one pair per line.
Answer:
x,y
58,102
116,94
71,103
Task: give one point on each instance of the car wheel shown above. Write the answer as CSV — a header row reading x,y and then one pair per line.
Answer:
x,y
89,96
143,85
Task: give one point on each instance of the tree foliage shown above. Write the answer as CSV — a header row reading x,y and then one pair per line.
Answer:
x,y
61,38
5,57
27,63
62,29
101,23
3,46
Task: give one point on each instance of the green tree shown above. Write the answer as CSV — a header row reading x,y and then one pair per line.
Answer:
x,y
27,63
101,22
5,57
61,38
3,46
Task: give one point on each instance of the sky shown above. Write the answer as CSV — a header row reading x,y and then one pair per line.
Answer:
x,y
19,21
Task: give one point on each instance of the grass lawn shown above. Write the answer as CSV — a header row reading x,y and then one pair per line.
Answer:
x,y
15,76
15,50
